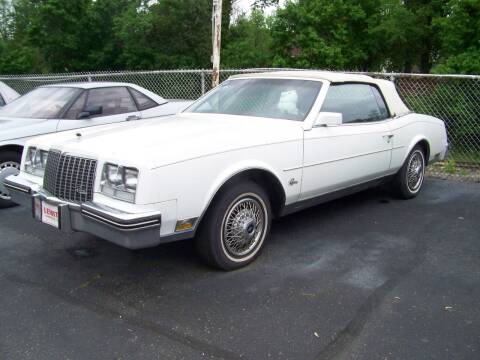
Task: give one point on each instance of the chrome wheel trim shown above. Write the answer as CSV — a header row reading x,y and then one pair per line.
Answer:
x,y
244,227
415,171
6,169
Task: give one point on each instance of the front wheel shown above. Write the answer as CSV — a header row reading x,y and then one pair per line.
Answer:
x,y
236,226
9,165
409,179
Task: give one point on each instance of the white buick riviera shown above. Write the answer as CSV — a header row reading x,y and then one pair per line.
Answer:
x,y
257,147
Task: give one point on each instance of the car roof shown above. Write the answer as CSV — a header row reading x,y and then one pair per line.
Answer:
x,y
331,76
395,104
103,84
91,84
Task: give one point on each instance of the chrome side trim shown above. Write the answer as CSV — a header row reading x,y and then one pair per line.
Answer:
x,y
345,158
7,185
332,195
293,168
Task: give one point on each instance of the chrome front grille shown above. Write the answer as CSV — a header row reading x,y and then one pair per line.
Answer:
x,y
69,178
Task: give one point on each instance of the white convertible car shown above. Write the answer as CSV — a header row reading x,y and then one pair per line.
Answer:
x,y
257,147
55,108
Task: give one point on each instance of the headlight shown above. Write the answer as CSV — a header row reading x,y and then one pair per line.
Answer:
x,y
36,161
119,182
131,179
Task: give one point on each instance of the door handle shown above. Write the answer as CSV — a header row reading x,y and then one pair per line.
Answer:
x,y
133,117
388,137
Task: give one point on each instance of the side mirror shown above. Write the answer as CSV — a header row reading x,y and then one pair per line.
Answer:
x,y
92,110
328,119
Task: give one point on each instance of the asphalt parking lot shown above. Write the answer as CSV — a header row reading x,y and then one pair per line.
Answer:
x,y
364,277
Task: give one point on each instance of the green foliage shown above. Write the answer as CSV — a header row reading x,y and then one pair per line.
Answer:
x,y
367,35
450,166
249,43
364,35
460,36
59,35
55,28
159,35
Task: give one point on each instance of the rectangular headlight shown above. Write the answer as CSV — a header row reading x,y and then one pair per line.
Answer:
x,y
119,182
36,161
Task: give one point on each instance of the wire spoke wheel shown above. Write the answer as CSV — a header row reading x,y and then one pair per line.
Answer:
x,y
244,225
415,171
6,169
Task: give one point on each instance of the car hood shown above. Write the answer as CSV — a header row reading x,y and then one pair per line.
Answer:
x,y
16,128
167,140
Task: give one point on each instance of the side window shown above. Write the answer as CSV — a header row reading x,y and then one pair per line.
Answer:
x,y
114,100
381,103
77,107
357,103
2,102
143,101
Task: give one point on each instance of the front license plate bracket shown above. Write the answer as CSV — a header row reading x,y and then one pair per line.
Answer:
x,y
50,214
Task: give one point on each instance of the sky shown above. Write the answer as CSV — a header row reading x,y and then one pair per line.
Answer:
x,y
246,5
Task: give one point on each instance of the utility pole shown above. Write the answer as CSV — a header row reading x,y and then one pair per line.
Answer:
x,y
217,40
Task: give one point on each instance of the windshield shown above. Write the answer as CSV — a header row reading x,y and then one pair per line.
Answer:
x,y
274,98
41,103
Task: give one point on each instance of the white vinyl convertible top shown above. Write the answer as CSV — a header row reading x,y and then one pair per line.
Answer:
x,y
394,102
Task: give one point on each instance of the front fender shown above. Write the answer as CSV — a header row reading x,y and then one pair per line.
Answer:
x,y
15,142
236,169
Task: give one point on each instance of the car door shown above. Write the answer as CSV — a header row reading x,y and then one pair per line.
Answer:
x,y
358,150
116,104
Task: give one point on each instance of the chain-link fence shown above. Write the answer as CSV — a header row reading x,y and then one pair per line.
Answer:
x,y
452,98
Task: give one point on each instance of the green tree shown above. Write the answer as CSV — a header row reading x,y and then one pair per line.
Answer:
x,y
102,47
368,35
249,43
169,33
323,34
16,56
460,38
425,41
55,28
133,29
364,35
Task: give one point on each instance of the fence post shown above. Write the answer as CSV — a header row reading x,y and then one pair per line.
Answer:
x,y
89,77
202,74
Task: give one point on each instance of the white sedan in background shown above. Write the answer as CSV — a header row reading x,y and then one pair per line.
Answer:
x,y
56,108
256,147
7,94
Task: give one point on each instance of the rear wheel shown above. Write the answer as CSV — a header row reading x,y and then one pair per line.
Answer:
x,y
409,179
9,165
235,227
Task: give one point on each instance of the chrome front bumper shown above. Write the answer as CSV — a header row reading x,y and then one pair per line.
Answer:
x,y
133,231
